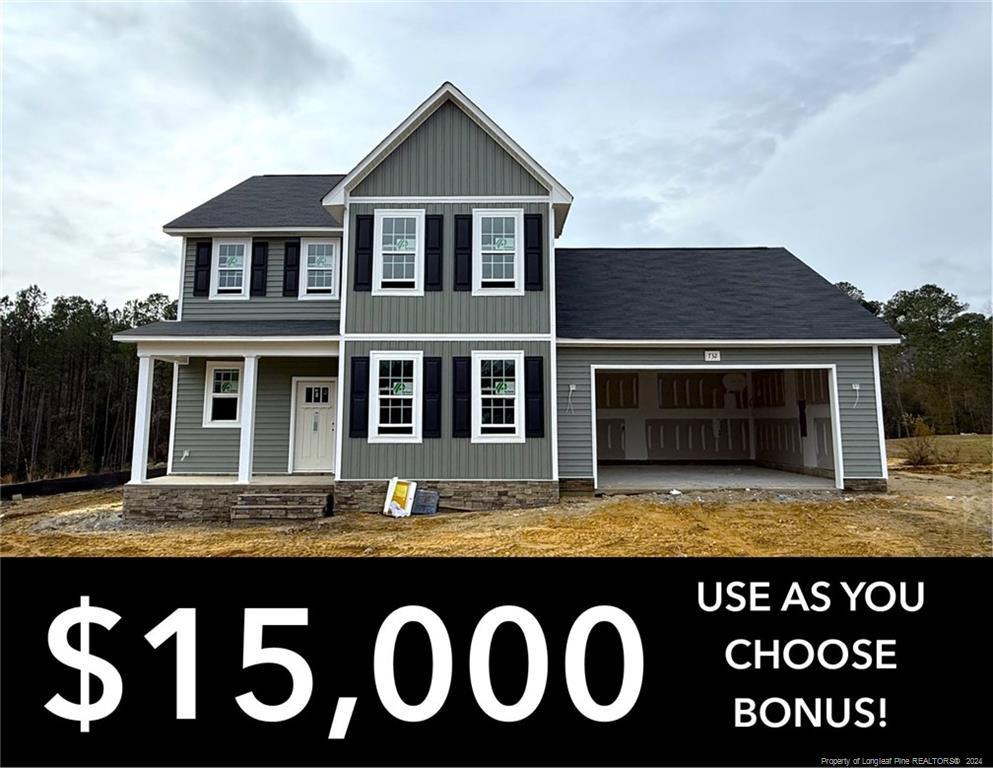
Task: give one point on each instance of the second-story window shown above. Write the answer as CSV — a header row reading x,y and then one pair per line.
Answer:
x,y
497,252
398,258
319,278
228,278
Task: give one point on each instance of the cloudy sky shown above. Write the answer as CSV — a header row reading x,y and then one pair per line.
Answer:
x,y
857,135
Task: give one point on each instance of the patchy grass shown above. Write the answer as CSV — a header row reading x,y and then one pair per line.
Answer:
x,y
950,449
925,513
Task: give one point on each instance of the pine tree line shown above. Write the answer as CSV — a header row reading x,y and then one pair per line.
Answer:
x,y
67,389
942,373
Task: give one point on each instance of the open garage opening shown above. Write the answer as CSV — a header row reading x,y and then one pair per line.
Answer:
x,y
695,428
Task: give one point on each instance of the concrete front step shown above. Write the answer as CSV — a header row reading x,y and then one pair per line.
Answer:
x,y
276,513
262,505
256,499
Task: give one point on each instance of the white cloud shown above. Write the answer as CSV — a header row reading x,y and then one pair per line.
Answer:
x,y
856,134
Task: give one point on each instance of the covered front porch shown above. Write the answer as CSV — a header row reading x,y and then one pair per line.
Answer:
x,y
246,413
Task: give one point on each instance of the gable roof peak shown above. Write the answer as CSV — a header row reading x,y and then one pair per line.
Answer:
x,y
561,198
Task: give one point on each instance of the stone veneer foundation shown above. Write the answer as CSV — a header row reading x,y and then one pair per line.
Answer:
x,y
456,495
221,502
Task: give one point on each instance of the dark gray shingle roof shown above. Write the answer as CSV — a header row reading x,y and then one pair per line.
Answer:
x,y
265,201
219,328
702,293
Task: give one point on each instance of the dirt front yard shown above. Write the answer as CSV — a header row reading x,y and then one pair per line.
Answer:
x,y
941,510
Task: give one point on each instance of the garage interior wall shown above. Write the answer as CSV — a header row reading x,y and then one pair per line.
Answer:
x,y
716,416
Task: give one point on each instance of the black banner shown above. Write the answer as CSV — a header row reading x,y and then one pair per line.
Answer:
x,y
879,661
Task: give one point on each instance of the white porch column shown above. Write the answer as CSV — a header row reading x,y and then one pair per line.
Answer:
x,y
246,446
142,417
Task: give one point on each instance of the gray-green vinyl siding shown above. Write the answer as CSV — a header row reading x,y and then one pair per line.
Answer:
x,y
448,311
213,450
446,458
272,407
272,306
449,154
859,427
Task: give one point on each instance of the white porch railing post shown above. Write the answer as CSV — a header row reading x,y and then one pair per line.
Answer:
x,y
142,417
247,442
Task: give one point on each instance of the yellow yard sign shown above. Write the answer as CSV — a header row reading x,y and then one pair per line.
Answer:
x,y
399,498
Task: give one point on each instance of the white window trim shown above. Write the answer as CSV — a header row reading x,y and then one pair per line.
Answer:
x,y
374,360
214,267
477,400
302,282
377,252
477,252
208,394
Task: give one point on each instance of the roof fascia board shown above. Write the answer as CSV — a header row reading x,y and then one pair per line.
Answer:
x,y
124,338
450,199
171,348
244,230
336,197
567,342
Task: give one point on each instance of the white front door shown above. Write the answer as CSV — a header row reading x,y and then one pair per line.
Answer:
x,y
314,425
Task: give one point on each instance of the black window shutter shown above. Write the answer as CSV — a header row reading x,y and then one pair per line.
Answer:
x,y
534,396
463,252
461,396
363,252
433,241
431,426
358,409
291,268
260,267
201,269
534,252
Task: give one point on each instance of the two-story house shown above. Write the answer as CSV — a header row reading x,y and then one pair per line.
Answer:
x,y
414,318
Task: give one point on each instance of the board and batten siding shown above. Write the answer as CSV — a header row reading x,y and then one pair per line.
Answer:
x,y
448,310
214,450
448,154
445,458
859,427
272,306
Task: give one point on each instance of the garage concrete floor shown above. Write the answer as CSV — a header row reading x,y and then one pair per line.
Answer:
x,y
631,478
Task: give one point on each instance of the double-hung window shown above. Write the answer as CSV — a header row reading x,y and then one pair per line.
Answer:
x,y
319,269
222,395
229,275
498,252
398,257
395,397
498,381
